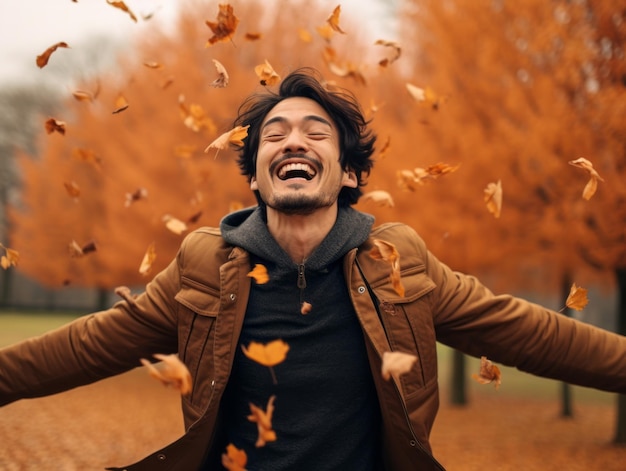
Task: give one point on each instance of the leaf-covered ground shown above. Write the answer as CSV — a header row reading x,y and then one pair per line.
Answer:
x,y
118,421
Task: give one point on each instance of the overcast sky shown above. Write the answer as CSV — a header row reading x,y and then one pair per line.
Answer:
x,y
29,27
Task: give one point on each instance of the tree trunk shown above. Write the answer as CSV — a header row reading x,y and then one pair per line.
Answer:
x,y
458,390
620,275
566,389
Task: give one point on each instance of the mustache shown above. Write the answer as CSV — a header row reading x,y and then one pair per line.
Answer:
x,y
294,155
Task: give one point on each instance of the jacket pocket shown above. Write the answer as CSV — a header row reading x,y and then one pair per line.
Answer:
x,y
199,307
409,325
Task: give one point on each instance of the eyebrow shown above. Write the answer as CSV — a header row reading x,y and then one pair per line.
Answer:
x,y
311,117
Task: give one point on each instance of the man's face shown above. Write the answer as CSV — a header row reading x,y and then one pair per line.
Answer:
x,y
297,167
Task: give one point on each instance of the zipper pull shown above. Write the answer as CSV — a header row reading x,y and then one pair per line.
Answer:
x,y
301,278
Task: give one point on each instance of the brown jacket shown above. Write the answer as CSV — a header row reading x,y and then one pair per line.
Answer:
x,y
196,306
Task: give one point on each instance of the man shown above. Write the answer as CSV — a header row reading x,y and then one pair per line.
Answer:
x,y
327,298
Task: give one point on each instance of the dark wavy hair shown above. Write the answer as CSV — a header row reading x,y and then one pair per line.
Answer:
x,y
356,139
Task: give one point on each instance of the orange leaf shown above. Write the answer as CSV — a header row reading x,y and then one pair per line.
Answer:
x,y
259,273
380,197
173,372
396,52
88,156
577,298
234,459
267,75
82,95
493,198
43,58
122,6
222,80
270,354
195,117
53,125
148,259
120,104
426,96
387,252
488,373
419,175
304,35
305,308
253,36
153,65
333,20
10,258
235,137
72,189
225,26
592,184
263,420
396,363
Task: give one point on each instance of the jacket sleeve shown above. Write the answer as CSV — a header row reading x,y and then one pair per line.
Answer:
x,y
95,346
515,332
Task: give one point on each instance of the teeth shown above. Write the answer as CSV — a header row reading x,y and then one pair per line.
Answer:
x,y
292,167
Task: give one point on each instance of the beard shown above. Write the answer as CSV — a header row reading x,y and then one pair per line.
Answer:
x,y
301,205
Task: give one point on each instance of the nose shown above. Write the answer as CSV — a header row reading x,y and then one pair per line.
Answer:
x,y
295,142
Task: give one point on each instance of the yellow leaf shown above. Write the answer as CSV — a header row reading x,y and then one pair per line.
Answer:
x,y
387,252
577,298
333,20
266,74
120,104
10,258
488,373
173,372
396,363
259,273
592,184
148,259
493,198
270,354
233,137
396,52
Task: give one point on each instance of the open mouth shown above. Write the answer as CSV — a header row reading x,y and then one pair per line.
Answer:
x,y
296,170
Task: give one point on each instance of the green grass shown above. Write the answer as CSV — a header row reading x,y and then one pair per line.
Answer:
x,y
16,326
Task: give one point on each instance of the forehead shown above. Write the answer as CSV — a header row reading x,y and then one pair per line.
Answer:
x,y
296,109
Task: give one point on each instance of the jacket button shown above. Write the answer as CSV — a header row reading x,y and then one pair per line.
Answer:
x,y
361,289
413,443
161,457
233,296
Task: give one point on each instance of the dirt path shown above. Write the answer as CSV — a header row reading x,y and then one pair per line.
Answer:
x,y
120,420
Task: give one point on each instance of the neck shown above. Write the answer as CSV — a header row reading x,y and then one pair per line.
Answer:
x,y
299,235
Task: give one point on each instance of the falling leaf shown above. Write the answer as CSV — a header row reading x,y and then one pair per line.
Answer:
x,y
222,80
138,194
174,225
77,251
153,65
592,184
396,52
233,137
194,117
493,198
270,354
325,31
387,252
148,259
173,372
577,298
167,82
54,125
42,60
120,104
406,178
333,20
304,35
396,363
72,189
253,36
225,26
263,420
266,74
488,373
259,273
10,258
234,459
88,156
82,95
426,96
305,308
122,6
380,197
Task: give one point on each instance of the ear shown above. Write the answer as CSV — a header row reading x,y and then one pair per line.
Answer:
x,y
349,179
253,183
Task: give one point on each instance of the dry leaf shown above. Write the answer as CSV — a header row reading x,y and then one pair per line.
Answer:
x,y
577,298
259,273
488,373
493,198
253,36
234,459
43,58
173,372
54,125
305,308
333,20
175,225
380,197
225,26
387,252
233,137
88,156
138,194
396,363
10,258
120,104
592,184
82,95
77,251
266,74
195,117
72,189
263,420
153,65
222,80
270,354
396,52
122,6
148,259
407,178
426,96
